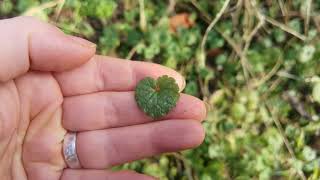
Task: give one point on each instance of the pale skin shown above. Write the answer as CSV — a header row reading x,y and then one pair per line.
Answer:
x,y
51,83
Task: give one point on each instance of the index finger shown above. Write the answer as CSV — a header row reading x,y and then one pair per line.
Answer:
x,y
103,73
27,43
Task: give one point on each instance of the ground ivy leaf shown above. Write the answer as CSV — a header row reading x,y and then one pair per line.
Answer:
x,y
157,97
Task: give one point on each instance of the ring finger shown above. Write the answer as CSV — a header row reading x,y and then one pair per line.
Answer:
x,y
105,148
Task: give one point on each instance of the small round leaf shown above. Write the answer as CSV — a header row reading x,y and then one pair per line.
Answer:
x,y
157,97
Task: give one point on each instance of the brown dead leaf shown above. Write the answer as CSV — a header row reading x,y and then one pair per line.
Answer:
x,y
180,20
214,52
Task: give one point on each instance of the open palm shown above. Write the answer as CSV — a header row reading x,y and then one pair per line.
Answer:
x,y
52,83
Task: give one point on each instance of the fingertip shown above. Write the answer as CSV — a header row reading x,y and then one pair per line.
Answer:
x,y
189,107
36,45
192,132
177,134
200,110
180,80
83,42
184,83
198,133
203,110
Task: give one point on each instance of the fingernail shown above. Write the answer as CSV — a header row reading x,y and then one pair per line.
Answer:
x,y
82,41
183,83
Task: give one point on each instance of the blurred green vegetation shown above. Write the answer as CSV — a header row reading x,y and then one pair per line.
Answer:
x,y
258,73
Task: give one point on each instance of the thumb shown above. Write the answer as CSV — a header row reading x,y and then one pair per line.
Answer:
x,y
27,43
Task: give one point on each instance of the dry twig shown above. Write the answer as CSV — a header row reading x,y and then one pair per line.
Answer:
x,y
285,28
272,72
307,18
172,4
284,138
143,21
210,27
59,9
185,164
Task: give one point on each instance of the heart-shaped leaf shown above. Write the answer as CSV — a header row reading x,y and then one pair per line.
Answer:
x,y
157,97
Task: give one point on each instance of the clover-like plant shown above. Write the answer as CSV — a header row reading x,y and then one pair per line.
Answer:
x,y
157,97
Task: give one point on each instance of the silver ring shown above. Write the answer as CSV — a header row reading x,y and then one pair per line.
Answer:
x,y
70,150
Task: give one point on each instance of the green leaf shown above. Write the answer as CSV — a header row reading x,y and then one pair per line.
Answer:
x,y
307,53
316,92
6,7
109,40
157,97
308,153
98,9
238,111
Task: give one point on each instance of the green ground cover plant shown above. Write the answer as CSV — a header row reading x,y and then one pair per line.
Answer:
x,y
254,63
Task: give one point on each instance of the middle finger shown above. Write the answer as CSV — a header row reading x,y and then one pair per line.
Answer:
x,y
116,109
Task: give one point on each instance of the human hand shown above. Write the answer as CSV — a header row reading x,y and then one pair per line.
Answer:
x,y
52,83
